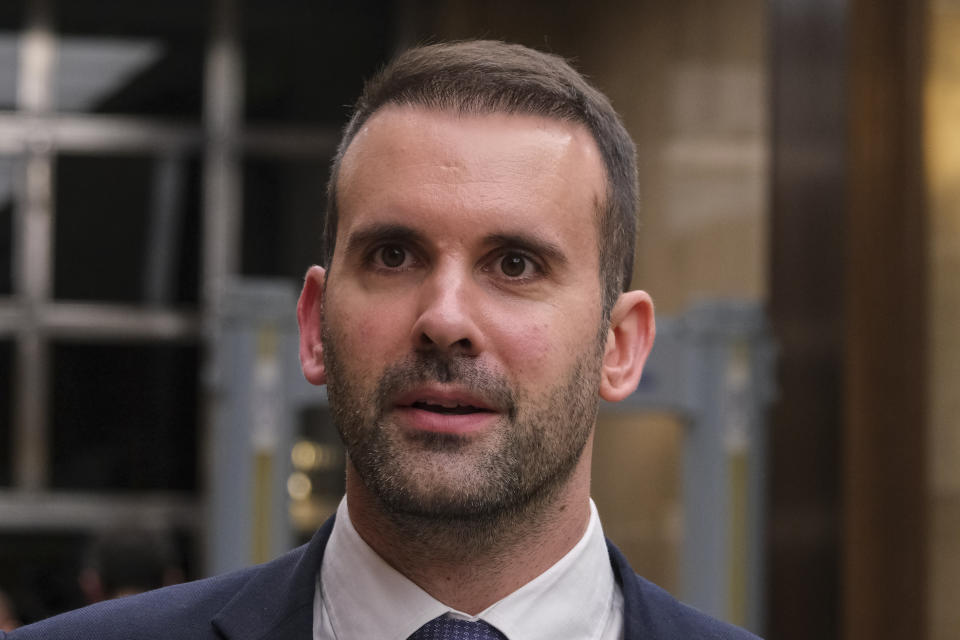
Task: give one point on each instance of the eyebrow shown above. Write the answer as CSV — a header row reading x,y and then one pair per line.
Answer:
x,y
382,232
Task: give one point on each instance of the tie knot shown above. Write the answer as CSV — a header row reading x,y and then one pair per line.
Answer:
x,y
447,628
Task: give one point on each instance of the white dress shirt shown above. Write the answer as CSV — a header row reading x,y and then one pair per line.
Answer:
x,y
360,597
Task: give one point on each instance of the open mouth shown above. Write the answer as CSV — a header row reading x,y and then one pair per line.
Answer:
x,y
448,409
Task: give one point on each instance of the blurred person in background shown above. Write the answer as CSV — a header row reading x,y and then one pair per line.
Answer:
x,y
472,309
8,617
127,561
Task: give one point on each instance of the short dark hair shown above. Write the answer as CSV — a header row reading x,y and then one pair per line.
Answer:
x,y
488,76
130,558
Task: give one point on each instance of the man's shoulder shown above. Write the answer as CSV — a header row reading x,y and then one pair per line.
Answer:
x,y
163,613
183,610
651,612
272,599
668,618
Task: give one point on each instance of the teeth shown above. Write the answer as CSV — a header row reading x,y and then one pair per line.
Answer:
x,y
445,405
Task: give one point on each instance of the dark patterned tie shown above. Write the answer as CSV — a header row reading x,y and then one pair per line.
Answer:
x,y
446,628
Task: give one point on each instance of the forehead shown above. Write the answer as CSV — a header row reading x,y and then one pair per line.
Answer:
x,y
473,168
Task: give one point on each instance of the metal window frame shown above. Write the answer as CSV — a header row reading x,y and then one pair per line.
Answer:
x,y
32,319
95,510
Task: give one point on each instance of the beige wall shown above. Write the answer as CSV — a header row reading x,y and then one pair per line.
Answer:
x,y
689,81
693,93
942,145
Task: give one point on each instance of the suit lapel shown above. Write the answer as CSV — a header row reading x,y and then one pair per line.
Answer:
x,y
635,622
277,602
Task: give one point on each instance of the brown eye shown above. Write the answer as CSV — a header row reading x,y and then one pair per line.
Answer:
x,y
392,256
513,265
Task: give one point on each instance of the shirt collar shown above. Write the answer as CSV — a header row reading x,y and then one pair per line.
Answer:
x,y
364,597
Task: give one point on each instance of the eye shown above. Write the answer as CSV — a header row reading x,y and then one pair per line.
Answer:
x,y
391,256
516,265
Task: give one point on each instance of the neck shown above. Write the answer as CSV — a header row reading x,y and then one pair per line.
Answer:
x,y
468,566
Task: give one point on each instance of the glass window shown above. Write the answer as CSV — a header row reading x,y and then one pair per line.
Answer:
x,y
283,205
11,20
124,416
11,14
9,63
6,412
305,61
318,480
7,173
127,229
38,571
39,568
117,57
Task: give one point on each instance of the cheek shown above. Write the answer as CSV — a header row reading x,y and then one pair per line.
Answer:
x,y
364,338
545,348
367,331
373,339
531,348
379,336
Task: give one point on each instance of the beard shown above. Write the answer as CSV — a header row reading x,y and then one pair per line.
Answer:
x,y
506,473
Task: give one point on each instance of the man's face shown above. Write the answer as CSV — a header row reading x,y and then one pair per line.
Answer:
x,y
462,308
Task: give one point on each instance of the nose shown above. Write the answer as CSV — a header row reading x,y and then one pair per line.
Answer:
x,y
447,319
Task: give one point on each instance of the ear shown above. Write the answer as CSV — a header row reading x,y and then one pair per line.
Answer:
x,y
629,340
310,319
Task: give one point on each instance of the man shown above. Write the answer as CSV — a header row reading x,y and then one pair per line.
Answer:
x,y
8,617
127,560
471,311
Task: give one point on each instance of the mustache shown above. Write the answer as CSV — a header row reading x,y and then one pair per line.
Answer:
x,y
433,367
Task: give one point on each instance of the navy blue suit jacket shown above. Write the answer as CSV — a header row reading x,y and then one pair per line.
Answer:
x,y
274,601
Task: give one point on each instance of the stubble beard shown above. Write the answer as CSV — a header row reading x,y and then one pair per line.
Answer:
x,y
454,492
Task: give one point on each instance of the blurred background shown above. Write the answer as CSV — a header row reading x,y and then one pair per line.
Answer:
x,y
791,461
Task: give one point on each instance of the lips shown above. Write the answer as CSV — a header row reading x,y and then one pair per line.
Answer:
x,y
457,410
444,401
444,410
